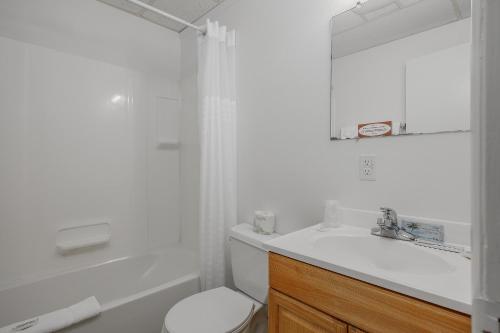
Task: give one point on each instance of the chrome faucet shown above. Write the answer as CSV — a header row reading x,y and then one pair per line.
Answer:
x,y
388,226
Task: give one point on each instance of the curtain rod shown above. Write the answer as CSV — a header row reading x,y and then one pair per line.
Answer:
x,y
167,15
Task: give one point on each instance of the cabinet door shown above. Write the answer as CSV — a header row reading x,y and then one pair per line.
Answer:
x,y
353,329
287,315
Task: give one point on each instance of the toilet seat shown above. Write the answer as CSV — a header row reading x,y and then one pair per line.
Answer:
x,y
219,310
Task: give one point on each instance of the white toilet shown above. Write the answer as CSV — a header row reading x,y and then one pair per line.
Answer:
x,y
223,310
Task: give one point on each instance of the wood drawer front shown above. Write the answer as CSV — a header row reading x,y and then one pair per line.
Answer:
x,y
368,307
353,329
287,315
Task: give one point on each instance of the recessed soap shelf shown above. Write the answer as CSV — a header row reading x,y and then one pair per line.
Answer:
x,y
83,236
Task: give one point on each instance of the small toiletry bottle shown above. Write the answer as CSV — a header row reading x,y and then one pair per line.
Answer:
x,y
331,218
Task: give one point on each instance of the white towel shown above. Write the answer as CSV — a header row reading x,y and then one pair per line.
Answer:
x,y
57,320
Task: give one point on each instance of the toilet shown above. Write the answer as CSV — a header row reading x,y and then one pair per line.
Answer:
x,y
224,310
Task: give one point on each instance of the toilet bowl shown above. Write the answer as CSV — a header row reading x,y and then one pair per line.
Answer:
x,y
223,310
218,310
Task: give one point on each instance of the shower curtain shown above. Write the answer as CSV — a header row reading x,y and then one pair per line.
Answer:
x,y
217,114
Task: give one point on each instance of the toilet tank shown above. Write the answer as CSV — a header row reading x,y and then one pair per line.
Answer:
x,y
249,261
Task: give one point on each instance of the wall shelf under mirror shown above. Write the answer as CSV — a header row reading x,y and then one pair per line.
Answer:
x,y
400,68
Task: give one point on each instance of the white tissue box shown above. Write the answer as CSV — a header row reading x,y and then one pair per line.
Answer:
x,y
264,222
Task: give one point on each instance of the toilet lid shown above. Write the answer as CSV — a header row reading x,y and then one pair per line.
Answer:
x,y
212,311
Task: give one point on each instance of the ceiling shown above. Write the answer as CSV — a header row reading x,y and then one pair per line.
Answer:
x,y
377,22
188,10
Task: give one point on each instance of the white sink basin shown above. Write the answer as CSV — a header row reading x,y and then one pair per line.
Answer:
x,y
384,253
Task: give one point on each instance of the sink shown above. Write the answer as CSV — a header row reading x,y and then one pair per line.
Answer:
x,y
383,253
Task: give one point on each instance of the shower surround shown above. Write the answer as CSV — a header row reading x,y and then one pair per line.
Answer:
x,y
85,104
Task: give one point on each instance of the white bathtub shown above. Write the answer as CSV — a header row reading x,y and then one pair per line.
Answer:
x,y
135,292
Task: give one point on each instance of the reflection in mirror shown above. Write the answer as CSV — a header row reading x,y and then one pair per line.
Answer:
x,y
401,67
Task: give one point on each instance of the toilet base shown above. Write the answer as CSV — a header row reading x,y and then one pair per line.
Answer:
x,y
258,324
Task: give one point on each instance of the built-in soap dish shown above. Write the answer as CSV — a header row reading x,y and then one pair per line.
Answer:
x,y
80,237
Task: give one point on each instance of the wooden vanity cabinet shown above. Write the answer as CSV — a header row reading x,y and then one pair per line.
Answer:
x,y
353,329
305,298
293,316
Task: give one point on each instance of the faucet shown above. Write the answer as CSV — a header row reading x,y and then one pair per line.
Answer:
x,y
388,226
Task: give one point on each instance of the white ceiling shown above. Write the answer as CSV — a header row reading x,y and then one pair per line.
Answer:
x,y
381,21
188,10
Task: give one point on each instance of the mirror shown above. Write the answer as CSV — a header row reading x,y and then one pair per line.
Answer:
x,y
400,67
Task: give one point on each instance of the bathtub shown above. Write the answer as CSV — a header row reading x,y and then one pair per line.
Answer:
x,y
135,292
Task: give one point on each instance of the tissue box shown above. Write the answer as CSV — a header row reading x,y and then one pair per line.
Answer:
x,y
264,222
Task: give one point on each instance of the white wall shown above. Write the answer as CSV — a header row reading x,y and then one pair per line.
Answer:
x,y
70,155
286,161
190,154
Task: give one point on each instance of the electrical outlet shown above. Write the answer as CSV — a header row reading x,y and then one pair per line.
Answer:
x,y
367,167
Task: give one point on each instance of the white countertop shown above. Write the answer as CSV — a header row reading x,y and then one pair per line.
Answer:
x,y
450,288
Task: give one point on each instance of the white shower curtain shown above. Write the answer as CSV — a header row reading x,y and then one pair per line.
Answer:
x,y
217,113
